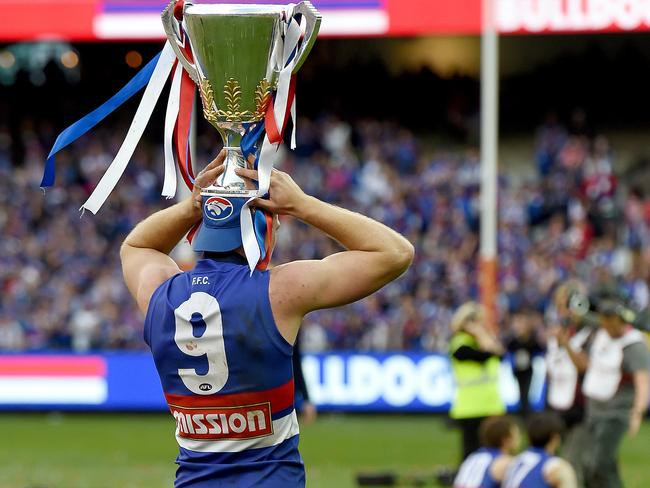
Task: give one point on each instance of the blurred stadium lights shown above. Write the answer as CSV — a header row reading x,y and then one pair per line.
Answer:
x,y
70,59
8,67
85,20
7,60
33,57
133,59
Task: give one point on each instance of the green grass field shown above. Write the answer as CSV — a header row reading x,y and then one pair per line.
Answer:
x,y
138,451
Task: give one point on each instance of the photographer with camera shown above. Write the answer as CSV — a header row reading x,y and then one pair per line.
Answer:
x,y
564,393
616,383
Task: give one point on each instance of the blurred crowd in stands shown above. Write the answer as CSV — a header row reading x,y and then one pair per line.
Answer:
x,y
61,284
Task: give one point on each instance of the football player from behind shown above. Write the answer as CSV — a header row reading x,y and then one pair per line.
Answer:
x,y
537,466
222,336
486,467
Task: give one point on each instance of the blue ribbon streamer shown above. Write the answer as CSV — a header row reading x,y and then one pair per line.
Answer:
x,y
83,125
259,224
252,136
249,141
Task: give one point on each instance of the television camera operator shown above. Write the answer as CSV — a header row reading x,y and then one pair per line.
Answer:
x,y
564,394
616,380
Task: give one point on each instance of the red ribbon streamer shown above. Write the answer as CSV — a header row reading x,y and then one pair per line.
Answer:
x,y
182,129
193,231
268,240
275,135
184,117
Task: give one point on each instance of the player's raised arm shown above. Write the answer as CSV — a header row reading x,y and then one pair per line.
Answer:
x,y
145,251
375,255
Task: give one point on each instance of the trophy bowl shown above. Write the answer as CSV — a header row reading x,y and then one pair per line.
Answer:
x,y
232,52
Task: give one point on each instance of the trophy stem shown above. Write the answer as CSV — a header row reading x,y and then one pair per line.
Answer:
x,y
229,181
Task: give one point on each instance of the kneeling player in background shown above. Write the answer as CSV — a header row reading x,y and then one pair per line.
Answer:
x,y
486,467
537,466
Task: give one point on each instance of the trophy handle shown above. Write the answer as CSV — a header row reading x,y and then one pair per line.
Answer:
x,y
171,26
313,19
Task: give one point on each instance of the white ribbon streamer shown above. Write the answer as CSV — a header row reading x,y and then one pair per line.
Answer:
x,y
269,152
142,116
267,160
173,105
248,237
282,95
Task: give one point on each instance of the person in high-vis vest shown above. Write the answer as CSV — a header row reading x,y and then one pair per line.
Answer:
x,y
616,387
475,360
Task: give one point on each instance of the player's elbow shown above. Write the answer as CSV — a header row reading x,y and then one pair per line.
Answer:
x,y
401,256
125,250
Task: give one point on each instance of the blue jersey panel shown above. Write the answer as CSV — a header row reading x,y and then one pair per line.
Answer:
x,y
276,467
258,357
527,470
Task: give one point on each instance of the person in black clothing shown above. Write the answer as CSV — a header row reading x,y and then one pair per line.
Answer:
x,y
523,345
304,406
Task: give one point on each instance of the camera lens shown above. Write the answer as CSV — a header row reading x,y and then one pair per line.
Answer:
x,y
579,304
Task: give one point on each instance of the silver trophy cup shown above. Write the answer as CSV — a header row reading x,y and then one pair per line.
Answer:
x,y
236,66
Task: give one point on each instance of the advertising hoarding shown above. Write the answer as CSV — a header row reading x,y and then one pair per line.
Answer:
x,y
96,20
345,381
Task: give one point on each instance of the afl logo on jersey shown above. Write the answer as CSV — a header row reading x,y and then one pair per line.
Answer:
x,y
217,208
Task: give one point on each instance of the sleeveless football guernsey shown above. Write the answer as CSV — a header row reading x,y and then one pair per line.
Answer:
x,y
527,470
475,470
227,376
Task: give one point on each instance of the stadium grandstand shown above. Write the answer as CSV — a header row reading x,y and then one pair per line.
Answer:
x,y
63,289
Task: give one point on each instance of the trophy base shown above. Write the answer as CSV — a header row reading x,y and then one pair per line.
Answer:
x,y
218,191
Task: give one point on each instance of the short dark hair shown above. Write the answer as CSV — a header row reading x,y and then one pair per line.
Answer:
x,y
494,430
543,426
